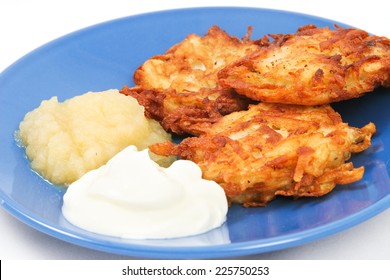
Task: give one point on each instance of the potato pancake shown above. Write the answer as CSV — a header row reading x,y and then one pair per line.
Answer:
x,y
276,149
179,88
193,63
312,67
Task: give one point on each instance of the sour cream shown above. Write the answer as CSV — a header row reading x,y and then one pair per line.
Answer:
x,y
133,197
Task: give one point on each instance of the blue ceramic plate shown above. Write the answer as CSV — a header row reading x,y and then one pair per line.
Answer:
x,y
105,56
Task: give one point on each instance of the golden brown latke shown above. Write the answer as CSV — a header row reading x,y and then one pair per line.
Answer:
x,y
275,149
314,66
193,63
179,88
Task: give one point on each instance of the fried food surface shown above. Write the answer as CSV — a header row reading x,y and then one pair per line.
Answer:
x,y
193,63
179,88
311,67
187,112
274,149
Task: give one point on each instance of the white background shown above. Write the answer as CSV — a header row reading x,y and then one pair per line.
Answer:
x,y
28,24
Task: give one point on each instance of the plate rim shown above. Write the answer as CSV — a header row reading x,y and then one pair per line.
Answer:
x,y
214,251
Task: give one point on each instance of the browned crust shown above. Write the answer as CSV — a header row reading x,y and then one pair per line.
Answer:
x,y
275,149
312,67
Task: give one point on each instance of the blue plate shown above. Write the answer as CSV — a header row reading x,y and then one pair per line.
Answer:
x,y
105,56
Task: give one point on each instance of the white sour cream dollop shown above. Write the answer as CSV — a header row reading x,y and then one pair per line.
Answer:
x,y
133,197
